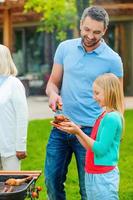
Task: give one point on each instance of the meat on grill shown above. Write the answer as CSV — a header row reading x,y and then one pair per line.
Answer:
x,y
7,189
16,182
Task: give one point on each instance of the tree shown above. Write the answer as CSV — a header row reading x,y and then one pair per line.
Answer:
x,y
57,15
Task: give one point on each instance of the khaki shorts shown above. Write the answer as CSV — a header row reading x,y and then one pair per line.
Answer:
x,y
11,163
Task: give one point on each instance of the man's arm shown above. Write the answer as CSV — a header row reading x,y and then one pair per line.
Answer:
x,y
53,86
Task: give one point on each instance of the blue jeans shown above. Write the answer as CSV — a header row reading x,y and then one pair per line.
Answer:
x,y
102,186
60,148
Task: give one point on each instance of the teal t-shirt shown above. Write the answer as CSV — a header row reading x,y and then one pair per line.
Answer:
x,y
81,68
106,146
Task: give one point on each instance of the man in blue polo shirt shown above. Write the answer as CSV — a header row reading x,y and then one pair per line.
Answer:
x,y
77,63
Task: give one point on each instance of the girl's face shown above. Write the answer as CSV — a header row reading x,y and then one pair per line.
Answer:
x,y
98,95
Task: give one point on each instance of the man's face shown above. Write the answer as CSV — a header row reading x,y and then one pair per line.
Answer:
x,y
91,32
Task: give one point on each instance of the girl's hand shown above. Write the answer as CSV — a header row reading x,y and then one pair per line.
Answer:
x,y
68,127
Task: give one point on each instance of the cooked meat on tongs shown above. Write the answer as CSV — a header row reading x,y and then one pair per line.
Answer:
x,y
60,118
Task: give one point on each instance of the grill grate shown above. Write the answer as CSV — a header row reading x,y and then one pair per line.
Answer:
x,y
15,188
19,192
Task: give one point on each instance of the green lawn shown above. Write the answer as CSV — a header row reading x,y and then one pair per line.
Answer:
x,y
38,134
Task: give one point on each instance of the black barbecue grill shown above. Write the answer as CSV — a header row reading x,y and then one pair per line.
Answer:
x,y
18,192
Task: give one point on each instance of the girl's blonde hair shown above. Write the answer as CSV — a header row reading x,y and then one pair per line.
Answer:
x,y
7,66
113,91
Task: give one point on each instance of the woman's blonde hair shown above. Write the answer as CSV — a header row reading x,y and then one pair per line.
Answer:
x,y
113,92
7,66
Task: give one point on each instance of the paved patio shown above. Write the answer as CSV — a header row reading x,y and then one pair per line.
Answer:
x,y
38,107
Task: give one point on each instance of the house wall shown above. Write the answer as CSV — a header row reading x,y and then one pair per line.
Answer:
x,y
31,57
128,78
111,1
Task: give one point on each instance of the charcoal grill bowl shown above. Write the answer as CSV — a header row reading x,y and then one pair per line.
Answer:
x,y
19,194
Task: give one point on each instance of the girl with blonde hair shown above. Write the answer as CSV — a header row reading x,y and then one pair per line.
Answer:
x,y
101,171
13,114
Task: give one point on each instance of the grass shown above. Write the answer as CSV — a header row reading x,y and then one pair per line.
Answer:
x,y
126,159
38,134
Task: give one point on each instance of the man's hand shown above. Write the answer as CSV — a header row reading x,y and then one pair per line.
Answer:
x,y
21,154
55,100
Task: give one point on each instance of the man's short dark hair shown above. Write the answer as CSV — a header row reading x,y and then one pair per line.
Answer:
x,y
97,13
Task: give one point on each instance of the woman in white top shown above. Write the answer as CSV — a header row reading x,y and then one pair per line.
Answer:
x,y
13,114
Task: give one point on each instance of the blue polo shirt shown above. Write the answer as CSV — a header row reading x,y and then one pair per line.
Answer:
x,y
81,68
